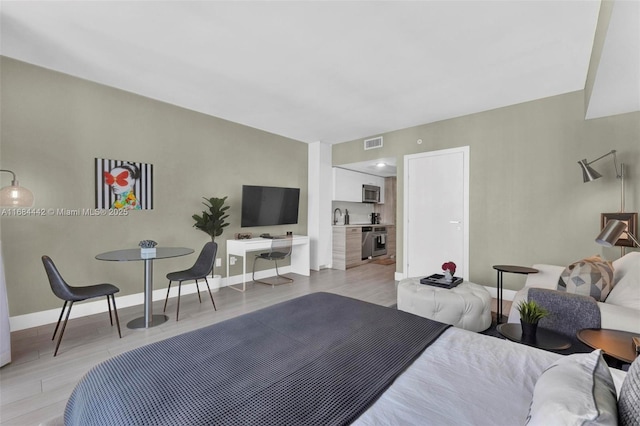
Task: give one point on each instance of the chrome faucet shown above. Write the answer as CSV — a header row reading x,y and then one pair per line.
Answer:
x,y
335,221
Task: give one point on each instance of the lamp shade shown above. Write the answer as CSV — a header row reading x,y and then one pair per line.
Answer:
x,y
588,174
611,232
15,196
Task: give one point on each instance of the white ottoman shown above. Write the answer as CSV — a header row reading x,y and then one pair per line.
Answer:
x,y
467,305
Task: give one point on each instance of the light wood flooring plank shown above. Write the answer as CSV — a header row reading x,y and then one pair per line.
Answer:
x,y
35,386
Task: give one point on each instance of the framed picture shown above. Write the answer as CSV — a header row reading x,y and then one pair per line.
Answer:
x,y
631,219
124,185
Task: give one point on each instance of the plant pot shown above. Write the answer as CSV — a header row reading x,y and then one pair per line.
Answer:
x,y
147,252
529,330
215,282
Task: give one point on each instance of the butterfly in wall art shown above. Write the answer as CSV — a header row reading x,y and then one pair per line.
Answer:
x,y
123,185
120,179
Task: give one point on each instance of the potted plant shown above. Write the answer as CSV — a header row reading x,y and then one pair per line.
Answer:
x,y
213,221
530,314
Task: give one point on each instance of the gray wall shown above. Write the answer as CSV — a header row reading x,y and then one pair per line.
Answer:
x,y
528,203
52,128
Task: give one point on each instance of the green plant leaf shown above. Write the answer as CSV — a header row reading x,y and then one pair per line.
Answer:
x,y
531,312
212,221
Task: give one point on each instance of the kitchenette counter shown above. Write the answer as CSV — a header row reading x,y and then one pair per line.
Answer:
x,y
349,244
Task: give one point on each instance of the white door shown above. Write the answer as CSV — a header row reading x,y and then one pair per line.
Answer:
x,y
436,211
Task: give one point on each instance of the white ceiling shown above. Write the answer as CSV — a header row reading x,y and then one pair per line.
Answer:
x,y
384,167
314,70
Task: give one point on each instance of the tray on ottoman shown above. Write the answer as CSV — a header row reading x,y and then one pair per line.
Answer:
x,y
438,280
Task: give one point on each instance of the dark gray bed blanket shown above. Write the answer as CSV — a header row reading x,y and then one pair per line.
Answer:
x,y
320,359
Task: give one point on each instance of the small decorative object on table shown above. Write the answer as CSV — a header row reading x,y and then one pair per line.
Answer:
x,y
530,314
449,269
447,280
147,247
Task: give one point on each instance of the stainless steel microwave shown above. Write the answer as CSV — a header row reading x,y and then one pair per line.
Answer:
x,y
370,194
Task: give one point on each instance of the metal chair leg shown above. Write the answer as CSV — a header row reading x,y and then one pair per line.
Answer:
x,y
115,311
253,273
178,309
59,319
109,305
198,290
286,279
166,298
64,325
210,295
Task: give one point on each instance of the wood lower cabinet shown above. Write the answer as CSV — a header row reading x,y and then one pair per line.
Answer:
x,y
391,241
347,247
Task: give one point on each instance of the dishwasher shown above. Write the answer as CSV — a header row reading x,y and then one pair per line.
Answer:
x,y
374,241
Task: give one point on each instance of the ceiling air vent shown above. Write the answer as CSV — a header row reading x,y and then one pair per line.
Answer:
x,y
373,143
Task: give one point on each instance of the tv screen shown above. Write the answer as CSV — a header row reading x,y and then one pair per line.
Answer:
x,y
269,205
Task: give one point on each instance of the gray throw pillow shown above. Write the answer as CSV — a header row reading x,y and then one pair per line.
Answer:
x,y
629,401
575,390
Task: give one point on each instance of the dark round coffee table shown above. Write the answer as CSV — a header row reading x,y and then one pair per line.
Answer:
x,y
545,339
615,343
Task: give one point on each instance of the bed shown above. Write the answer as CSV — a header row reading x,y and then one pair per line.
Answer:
x,y
318,359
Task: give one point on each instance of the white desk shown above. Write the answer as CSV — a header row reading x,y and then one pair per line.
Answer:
x,y
299,254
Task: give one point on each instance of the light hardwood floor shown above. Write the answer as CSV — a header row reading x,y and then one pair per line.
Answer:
x,y
35,386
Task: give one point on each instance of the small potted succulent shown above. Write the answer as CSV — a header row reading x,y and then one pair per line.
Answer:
x,y
147,248
530,314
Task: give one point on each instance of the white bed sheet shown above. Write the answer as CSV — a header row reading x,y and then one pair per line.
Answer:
x,y
465,378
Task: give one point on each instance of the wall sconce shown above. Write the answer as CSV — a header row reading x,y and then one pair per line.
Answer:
x,y
589,174
15,195
613,231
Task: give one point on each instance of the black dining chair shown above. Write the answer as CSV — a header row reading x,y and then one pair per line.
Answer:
x,y
77,294
200,270
280,250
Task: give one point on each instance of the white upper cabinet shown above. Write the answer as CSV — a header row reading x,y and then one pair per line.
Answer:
x,y
347,185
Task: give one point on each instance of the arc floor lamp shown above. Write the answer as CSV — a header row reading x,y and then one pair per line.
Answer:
x,y
15,195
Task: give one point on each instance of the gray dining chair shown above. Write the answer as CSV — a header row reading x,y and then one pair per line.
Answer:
x,y
200,270
280,250
76,294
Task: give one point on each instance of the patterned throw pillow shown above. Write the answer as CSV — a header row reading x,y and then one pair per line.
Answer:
x,y
589,277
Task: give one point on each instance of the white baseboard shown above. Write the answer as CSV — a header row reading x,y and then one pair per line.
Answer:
x,y
99,305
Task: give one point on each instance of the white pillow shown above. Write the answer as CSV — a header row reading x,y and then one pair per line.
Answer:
x,y
575,390
626,292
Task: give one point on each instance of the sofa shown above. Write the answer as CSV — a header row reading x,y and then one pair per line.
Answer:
x,y
620,310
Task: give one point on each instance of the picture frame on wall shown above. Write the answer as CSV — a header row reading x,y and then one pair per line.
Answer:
x,y
630,219
123,185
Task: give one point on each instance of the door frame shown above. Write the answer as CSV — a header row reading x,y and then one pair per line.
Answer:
x,y
405,243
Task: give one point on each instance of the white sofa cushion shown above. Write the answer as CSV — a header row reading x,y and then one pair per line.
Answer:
x,y
626,291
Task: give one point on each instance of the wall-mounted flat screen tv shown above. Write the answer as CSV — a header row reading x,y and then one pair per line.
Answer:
x,y
269,205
